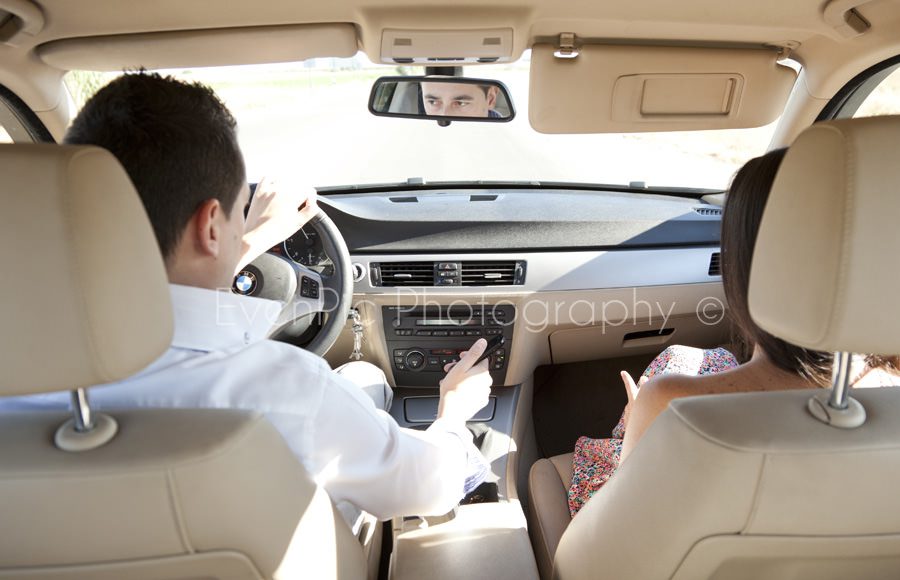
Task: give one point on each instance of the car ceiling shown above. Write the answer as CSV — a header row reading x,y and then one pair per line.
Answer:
x,y
829,58
761,21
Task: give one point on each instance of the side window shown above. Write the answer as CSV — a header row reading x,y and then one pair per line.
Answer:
x,y
871,93
18,123
11,129
884,98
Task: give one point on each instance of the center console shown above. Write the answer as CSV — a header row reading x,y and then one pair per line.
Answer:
x,y
466,543
422,339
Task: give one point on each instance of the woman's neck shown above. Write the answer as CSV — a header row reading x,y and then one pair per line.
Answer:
x,y
767,372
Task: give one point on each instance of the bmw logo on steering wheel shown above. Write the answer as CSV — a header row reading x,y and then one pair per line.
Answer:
x,y
245,283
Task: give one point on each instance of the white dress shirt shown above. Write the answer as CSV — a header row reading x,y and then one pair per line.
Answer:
x,y
220,358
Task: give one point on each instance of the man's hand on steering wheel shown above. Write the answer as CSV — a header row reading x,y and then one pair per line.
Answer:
x,y
279,208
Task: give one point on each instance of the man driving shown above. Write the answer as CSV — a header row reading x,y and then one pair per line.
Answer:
x,y
178,144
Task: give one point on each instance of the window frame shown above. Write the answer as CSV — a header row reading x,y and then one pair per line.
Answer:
x,y
845,103
22,124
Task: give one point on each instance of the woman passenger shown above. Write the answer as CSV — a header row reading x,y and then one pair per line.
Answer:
x,y
681,371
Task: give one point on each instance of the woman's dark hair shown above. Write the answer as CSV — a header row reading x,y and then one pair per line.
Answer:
x,y
177,142
744,207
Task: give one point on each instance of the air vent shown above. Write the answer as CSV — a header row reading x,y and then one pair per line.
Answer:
x,y
474,273
715,264
403,274
708,210
493,273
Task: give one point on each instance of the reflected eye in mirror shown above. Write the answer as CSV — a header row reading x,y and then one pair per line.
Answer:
x,y
442,99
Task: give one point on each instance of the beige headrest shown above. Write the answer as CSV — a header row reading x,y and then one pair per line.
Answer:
x,y
85,299
825,266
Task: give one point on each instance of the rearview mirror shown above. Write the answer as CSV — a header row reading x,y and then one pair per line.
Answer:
x,y
443,99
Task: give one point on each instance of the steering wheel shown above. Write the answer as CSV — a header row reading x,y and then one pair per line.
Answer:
x,y
304,292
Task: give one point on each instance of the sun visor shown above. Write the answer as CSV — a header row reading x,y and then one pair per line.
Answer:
x,y
624,89
198,48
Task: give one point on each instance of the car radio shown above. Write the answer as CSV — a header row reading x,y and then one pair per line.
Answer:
x,y
422,339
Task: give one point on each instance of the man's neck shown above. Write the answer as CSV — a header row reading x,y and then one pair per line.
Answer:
x,y
189,277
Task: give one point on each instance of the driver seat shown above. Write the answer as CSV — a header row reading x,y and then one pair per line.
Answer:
x,y
150,493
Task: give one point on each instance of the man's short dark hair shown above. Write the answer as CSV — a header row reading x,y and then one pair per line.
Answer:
x,y
177,142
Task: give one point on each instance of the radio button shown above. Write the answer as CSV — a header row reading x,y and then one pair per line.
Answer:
x,y
423,333
457,333
473,333
439,333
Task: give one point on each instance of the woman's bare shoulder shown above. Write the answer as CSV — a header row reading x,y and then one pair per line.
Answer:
x,y
664,388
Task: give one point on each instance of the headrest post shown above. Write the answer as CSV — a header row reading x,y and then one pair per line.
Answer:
x,y
84,431
840,380
82,410
836,407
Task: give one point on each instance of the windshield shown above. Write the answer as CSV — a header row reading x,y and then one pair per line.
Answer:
x,y
312,118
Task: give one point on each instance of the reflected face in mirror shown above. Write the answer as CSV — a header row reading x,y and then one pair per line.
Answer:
x,y
459,99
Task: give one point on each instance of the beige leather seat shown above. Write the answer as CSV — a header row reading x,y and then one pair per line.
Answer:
x,y
548,507
754,485
173,493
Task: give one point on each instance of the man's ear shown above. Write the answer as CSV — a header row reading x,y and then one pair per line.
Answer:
x,y
206,229
492,97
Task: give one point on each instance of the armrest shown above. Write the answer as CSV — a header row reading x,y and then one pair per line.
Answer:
x,y
487,540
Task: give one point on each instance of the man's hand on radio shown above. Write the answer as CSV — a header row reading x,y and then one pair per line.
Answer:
x,y
467,386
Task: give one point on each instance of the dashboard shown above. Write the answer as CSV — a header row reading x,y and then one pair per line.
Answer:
x,y
485,220
581,275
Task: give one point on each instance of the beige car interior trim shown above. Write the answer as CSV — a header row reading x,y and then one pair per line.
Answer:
x,y
27,21
561,270
597,342
843,17
523,446
161,50
829,59
655,88
450,46
487,540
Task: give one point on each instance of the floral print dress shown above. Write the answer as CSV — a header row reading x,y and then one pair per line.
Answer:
x,y
595,460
